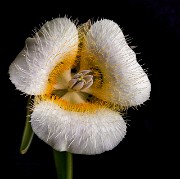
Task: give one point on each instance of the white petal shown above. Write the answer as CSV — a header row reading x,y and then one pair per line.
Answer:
x,y
124,81
55,40
80,133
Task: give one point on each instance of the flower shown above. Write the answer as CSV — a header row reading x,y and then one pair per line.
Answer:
x,y
82,78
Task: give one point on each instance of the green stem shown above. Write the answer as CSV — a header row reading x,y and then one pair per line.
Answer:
x,y
69,166
28,132
64,164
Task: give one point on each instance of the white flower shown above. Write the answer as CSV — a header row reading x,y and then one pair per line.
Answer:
x,y
82,78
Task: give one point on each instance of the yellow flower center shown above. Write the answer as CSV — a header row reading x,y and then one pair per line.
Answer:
x,y
75,91
68,89
72,91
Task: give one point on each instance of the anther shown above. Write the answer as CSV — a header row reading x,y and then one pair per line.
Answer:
x,y
81,80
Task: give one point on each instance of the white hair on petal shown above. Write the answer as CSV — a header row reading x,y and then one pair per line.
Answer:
x,y
77,132
31,68
127,83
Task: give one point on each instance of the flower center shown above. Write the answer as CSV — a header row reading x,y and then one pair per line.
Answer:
x,y
72,89
81,81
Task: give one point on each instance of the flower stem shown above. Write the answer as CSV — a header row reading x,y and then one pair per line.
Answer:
x,y
64,164
69,165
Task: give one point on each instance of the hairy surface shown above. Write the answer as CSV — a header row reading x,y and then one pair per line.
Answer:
x,y
79,111
56,40
124,81
76,132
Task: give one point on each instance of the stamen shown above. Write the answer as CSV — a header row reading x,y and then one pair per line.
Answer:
x,y
87,85
81,80
84,72
88,78
73,82
78,85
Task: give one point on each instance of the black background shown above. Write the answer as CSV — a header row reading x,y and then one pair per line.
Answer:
x,y
148,149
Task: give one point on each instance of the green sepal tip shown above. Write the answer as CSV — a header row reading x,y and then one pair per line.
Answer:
x,y
28,132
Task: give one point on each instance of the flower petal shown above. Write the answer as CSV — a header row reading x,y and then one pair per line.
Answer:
x,y
56,40
76,132
123,80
